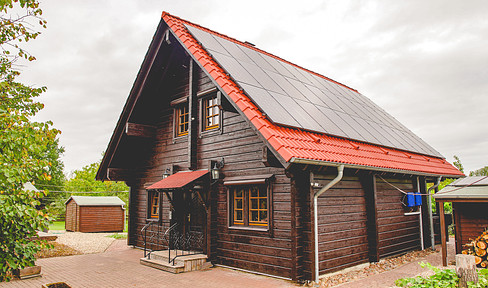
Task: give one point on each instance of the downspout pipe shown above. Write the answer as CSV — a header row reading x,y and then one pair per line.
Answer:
x,y
429,203
340,173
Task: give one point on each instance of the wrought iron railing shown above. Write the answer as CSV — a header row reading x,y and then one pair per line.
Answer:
x,y
178,244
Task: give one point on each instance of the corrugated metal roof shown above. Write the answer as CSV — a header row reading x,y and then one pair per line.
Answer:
x,y
471,180
96,200
469,188
178,180
299,142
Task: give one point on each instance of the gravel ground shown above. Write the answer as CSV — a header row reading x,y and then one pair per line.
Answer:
x,y
367,270
86,243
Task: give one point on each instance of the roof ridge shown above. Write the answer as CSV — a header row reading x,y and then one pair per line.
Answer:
x,y
256,49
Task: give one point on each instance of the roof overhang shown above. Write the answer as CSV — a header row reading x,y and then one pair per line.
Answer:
x,y
364,167
178,180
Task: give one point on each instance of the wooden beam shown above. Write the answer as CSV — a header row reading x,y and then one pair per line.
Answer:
x,y
425,212
443,234
192,116
140,130
119,174
368,181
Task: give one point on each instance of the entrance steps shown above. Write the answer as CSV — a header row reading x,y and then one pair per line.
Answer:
x,y
185,263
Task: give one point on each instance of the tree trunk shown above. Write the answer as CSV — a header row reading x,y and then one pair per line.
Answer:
x,y
466,269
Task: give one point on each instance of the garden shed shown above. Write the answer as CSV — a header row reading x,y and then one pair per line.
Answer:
x,y
469,197
95,214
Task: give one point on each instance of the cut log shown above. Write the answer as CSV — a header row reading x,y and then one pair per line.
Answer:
x,y
466,269
481,244
484,264
477,260
480,252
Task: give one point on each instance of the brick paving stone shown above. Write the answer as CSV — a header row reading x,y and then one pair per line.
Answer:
x,y
119,267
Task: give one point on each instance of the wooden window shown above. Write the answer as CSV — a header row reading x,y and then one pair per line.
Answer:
x,y
249,205
211,112
154,205
182,118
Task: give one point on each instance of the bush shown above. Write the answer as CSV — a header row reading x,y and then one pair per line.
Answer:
x,y
444,278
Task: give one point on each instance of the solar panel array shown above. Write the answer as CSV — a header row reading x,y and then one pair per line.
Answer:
x,y
295,97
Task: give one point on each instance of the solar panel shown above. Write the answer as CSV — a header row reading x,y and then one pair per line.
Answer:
x,y
294,97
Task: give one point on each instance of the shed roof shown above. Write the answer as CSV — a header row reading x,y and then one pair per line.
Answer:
x,y
465,189
178,180
96,200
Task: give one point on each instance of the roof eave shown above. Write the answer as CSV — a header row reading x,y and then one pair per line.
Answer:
x,y
365,167
137,87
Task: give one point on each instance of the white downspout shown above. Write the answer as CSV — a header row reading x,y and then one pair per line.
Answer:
x,y
340,172
429,203
420,220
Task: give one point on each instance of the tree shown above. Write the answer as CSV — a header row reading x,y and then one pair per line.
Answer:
x,y
25,146
480,172
458,164
83,180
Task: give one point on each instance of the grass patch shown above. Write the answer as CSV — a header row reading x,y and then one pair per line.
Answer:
x,y
118,236
57,225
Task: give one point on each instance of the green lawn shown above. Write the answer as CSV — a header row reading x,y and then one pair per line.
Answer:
x,y
59,225
56,225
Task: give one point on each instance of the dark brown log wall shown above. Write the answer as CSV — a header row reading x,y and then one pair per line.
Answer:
x,y
471,220
262,251
101,219
397,232
342,224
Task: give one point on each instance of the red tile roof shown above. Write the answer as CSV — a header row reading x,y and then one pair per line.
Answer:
x,y
178,180
295,143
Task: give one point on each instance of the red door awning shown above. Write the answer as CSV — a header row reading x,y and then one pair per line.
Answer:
x,y
178,180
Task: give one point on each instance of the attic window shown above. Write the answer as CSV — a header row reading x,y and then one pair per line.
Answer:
x,y
182,118
211,112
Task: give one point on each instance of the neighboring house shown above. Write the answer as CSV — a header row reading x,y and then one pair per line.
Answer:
x,y
278,134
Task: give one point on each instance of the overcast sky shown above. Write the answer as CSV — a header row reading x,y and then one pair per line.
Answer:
x,y
424,62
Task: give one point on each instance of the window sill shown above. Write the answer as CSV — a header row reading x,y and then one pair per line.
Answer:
x,y
152,220
211,132
250,228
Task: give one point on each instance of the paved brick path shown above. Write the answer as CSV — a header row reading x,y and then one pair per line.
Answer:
x,y
119,267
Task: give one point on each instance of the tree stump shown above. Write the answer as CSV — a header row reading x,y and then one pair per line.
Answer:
x,y
466,269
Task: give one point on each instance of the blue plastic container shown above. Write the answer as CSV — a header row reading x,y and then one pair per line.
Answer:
x,y
418,199
410,199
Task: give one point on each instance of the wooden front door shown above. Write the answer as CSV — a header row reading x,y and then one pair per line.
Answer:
x,y
191,218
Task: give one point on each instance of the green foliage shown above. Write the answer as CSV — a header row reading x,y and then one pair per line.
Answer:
x,y
480,172
83,180
25,146
458,164
442,278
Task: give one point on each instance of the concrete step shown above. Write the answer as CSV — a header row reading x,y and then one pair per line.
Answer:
x,y
186,263
165,266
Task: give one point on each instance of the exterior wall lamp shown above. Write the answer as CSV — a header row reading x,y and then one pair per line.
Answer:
x,y
215,171
166,173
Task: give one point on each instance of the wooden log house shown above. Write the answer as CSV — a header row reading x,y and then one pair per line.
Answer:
x,y
229,144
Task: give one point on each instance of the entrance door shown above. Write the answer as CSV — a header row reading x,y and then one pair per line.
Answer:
x,y
191,218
